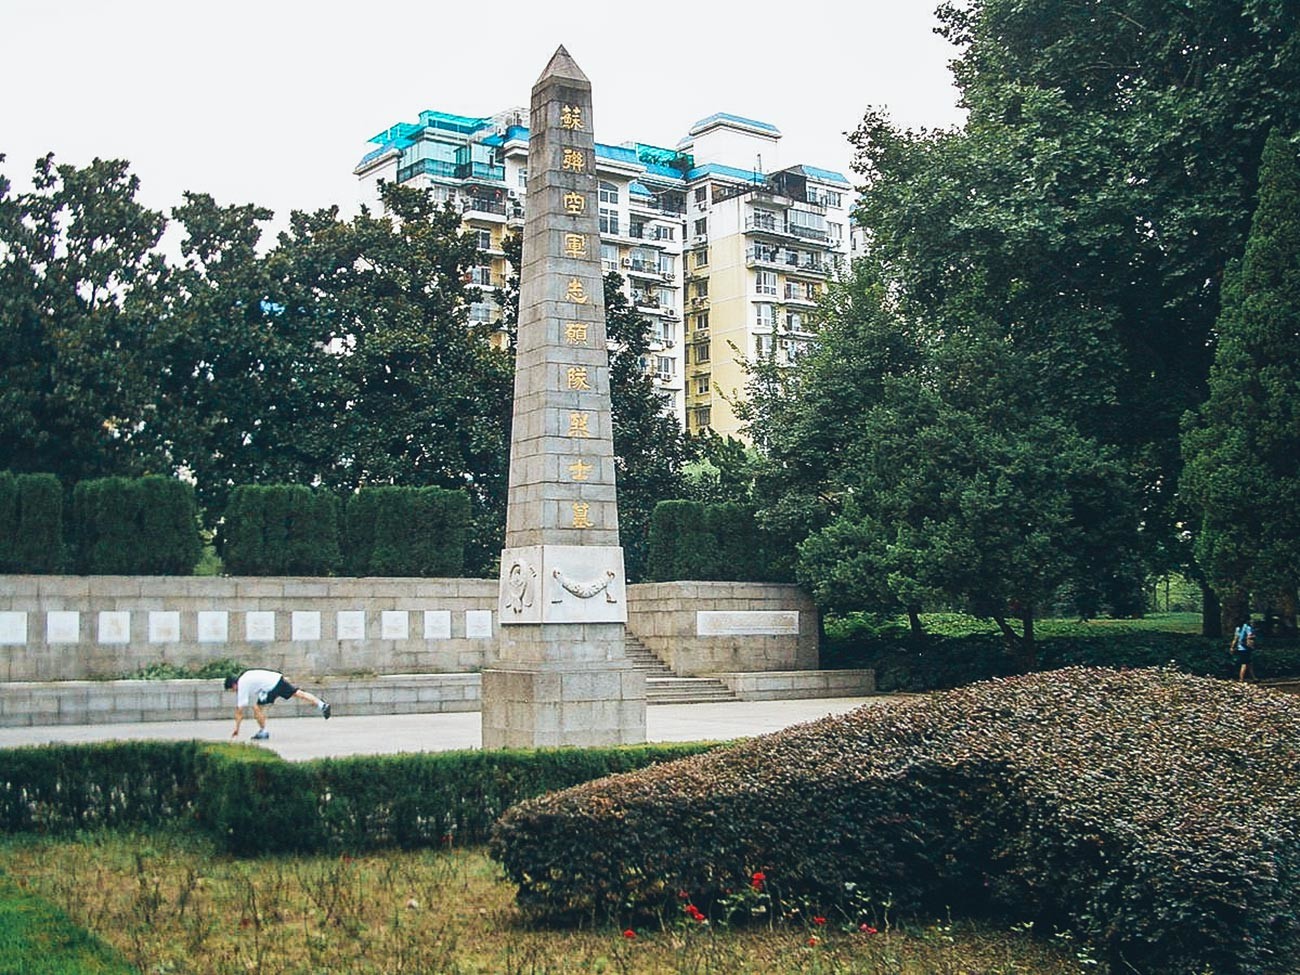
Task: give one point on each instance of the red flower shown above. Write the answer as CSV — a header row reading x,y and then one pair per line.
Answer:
x,y
629,934
866,929
683,895
819,920
756,881
814,941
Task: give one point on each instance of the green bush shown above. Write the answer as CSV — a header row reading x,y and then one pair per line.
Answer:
x,y
406,531
135,526
31,524
61,788
1151,812
251,801
279,530
719,542
262,805
902,663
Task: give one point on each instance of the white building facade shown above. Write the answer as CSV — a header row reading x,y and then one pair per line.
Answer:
x,y
725,262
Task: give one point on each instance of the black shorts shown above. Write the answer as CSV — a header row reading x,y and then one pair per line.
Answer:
x,y
282,691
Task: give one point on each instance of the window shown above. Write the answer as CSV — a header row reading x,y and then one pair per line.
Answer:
x,y
701,352
701,194
702,385
483,239
665,331
702,257
811,291
763,314
608,193
636,228
667,264
703,416
664,366
608,221
835,231
762,344
830,198
665,233
765,283
701,227
609,257
523,179
794,321
765,219
702,320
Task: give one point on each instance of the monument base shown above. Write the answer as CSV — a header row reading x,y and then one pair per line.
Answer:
x,y
576,705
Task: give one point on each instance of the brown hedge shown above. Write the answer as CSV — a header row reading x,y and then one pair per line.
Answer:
x,y
1152,812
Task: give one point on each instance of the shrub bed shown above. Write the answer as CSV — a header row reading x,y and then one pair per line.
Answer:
x,y
1152,812
942,662
252,801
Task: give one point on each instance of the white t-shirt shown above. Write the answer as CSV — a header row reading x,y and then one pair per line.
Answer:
x,y
254,683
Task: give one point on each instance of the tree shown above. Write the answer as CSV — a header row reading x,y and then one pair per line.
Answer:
x,y
1242,447
78,314
927,472
1104,178
649,447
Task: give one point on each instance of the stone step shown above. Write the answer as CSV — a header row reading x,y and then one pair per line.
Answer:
x,y
686,690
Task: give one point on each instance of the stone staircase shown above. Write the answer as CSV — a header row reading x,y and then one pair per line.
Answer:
x,y
662,686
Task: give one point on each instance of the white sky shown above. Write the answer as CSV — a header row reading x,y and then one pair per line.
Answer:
x,y
272,101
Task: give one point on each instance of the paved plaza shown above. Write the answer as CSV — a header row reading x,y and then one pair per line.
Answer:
x,y
298,733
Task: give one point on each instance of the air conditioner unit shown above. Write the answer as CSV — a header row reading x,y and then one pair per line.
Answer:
x,y
626,262
700,239
666,275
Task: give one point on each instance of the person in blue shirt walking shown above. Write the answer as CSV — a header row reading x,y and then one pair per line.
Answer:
x,y
1243,649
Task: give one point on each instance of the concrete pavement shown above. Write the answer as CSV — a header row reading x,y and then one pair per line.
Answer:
x,y
298,733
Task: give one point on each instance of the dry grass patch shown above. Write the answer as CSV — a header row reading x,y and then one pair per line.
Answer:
x,y
170,903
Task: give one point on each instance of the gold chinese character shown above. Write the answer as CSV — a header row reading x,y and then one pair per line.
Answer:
x,y
575,203
578,425
576,293
571,117
580,470
573,161
575,245
581,509
575,333
577,378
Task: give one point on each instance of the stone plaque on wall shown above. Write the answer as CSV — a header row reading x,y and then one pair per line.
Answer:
x,y
259,626
213,625
478,624
394,624
62,626
164,626
437,624
747,623
114,626
13,628
352,624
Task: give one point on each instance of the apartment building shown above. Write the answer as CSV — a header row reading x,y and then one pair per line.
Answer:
x,y
725,262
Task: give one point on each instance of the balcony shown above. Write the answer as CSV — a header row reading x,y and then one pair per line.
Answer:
x,y
765,225
481,171
427,167
473,204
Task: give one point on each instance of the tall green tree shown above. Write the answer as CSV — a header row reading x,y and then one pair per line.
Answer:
x,y
1104,178
924,471
79,275
1242,446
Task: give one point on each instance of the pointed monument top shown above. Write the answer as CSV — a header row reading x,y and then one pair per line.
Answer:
x,y
563,66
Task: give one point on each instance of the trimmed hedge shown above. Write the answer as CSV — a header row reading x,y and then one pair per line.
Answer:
x,y
941,663
63,788
135,526
31,524
718,542
252,802
406,531
280,530
1153,813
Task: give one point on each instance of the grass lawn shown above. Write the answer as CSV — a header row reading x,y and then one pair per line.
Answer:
x,y
169,903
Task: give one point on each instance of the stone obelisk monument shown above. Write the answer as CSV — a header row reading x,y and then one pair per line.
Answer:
x,y
562,677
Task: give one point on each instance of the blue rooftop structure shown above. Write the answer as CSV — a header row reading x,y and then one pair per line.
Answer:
x,y
718,117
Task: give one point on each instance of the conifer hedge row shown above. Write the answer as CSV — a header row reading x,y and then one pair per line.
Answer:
x,y
31,523
693,540
287,529
135,526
